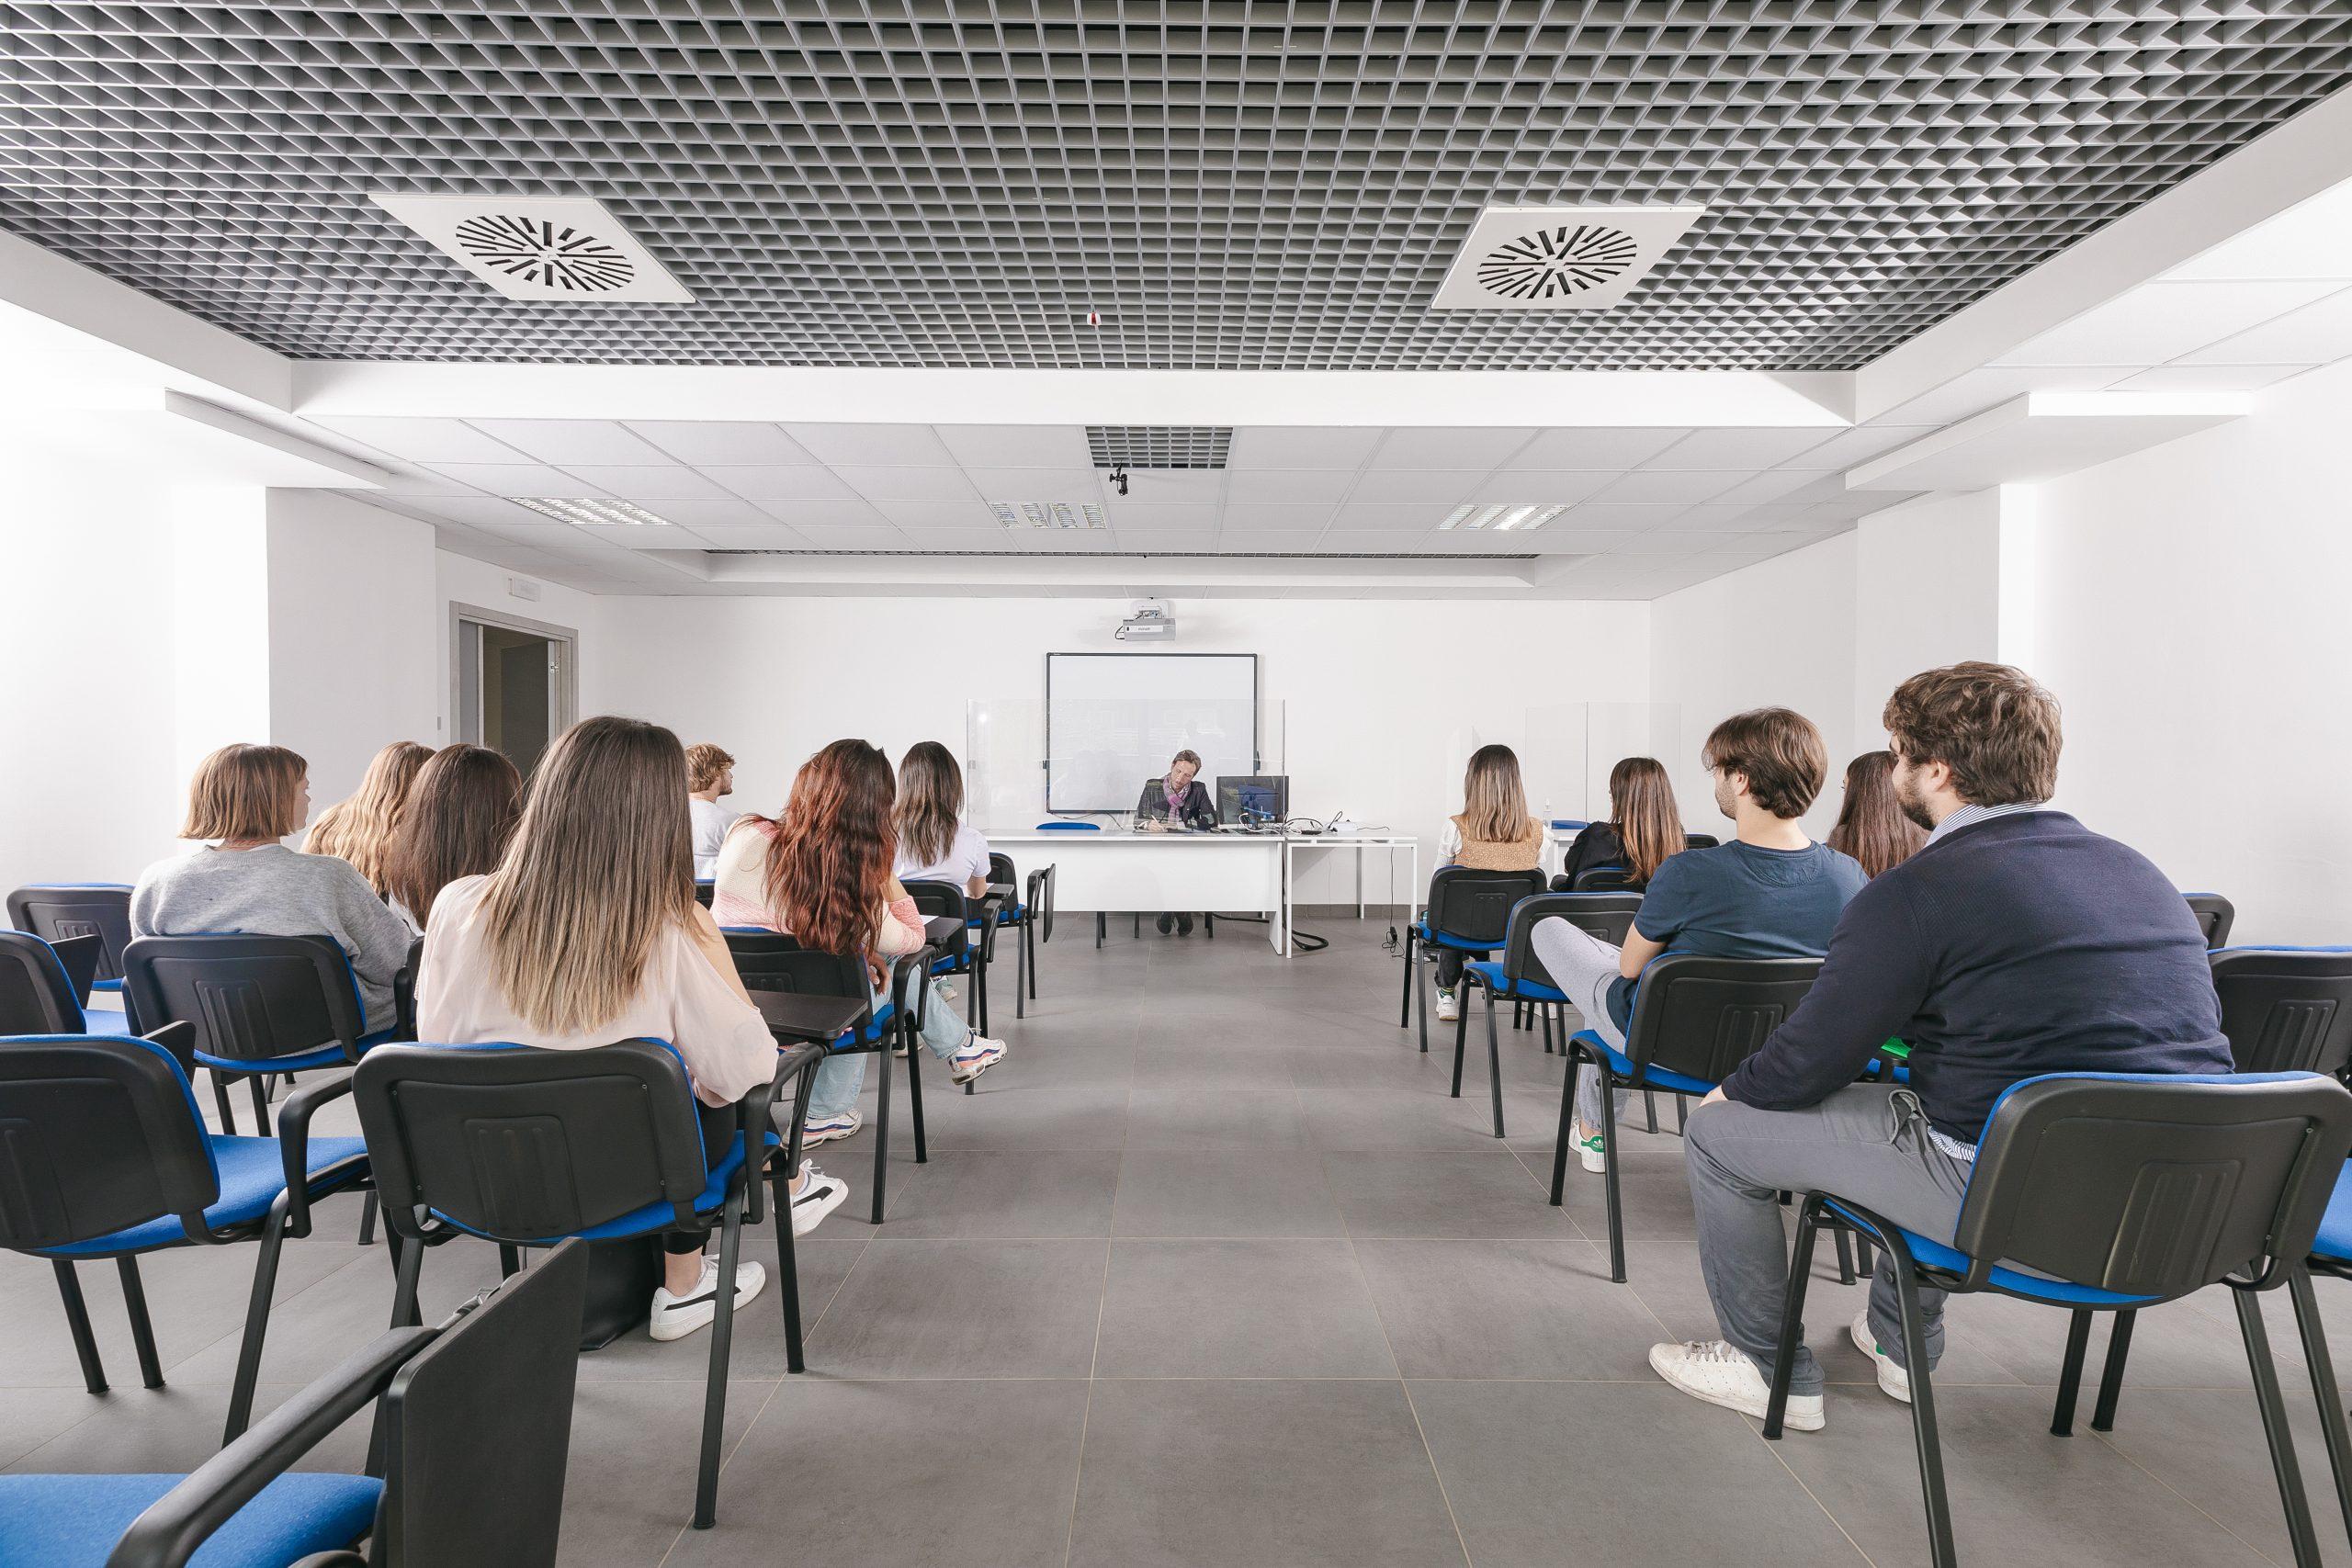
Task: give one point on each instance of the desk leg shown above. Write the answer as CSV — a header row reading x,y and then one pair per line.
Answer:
x,y
1279,931
1358,881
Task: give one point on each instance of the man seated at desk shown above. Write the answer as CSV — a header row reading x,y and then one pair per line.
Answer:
x,y
1180,800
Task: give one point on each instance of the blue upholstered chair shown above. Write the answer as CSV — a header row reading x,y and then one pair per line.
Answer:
x,y
2215,915
1518,976
1027,910
2109,1192
1469,912
41,984
55,911
110,1159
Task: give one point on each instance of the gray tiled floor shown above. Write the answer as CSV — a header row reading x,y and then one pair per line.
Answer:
x,y
1212,1272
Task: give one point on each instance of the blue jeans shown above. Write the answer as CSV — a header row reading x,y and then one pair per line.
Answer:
x,y
944,1033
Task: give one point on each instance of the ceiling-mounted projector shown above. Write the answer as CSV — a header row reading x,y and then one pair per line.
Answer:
x,y
1148,619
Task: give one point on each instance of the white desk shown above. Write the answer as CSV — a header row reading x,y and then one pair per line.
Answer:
x,y
1360,844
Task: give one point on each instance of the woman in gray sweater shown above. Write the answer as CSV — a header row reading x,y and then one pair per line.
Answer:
x,y
249,798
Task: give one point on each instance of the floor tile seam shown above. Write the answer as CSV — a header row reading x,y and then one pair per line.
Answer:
x,y
1780,1458
366,1255
1404,1386
1093,1365
2106,1440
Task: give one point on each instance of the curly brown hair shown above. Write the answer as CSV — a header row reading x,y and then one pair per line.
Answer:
x,y
1992,724
828,868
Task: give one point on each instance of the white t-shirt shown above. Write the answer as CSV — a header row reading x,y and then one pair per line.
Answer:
x,y
967,857
711,821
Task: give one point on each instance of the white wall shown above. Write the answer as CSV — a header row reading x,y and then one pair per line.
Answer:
x,y
1927,592
2189,613
462,580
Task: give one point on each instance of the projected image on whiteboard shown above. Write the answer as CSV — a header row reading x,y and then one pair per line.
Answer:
x,y
1112,720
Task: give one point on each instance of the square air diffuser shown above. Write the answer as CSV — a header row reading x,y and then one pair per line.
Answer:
x,y
540,247
1559,258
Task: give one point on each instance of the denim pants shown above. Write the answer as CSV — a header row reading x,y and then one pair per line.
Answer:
x,y
944,1033
1583,967
1868,1143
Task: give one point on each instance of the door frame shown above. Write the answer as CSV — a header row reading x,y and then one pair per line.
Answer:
x,y
563,692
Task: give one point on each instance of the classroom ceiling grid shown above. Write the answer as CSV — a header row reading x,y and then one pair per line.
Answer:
x,y
1226,184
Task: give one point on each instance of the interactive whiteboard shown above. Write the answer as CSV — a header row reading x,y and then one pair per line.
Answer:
x,y
1112,720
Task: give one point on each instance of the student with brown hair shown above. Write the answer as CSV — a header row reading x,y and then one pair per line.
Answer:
x,y
1644,828
359,829
460,814
1770,893
247,798
819,871
1870,824
588,933
935,844
1491,832
710,774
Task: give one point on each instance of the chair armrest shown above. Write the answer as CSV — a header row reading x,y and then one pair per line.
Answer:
x,y
754,1113
179,1039
78,956
404,1005
294,1144
178,1524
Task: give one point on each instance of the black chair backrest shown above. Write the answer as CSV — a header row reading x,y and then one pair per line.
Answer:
x,y
2215,915
2155,1186
1702,1016
1608,916
248,997
477,1430
2286,1011
1039,896
1700,840
941,900
56,911
1604,879
1002,872
704,892
36,995
96,1135
1474,906
522,1145
771,961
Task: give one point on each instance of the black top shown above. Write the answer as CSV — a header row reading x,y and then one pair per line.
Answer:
x,y
1597,843
1194,810
2016,946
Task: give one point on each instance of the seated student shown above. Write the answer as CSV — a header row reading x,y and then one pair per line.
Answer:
x,y
1493,832
710,773
1179,800
588,933
359,829
248,797
2016,942
935,844
1770,893
819,871
1645,826
460,817
1870,824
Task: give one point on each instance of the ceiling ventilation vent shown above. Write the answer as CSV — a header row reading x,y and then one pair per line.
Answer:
x,y
1159,445
540,247
1559,258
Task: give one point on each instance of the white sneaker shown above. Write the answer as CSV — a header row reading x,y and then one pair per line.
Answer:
x,y
825,1129
1893,1381
674,1317
1720,1374
1449,1007
979,1054
820,1195
1592,1153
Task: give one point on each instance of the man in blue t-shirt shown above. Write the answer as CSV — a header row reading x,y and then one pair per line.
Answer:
x,y
1770,893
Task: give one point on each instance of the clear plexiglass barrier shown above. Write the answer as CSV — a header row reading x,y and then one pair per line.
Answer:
x,y
1571,747
1090,760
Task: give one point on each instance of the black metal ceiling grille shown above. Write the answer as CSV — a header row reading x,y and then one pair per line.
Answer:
x,y
1159,445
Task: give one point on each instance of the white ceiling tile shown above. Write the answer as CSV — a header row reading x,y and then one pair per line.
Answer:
x,y
1303,446
831,514
1595,448
912,446
566,442
1037,484
1163,539
696,513
424,440
516,479
1980,389
1743,447
1365,541
963,541
1173,487
2319,333
917,484
756,536
667,482
2207,377
1771,485
2158,322
1545,485
1710,518
1278,516
1266,539
707,442
1412,515
760,481
1450,448
831,538
1439,487
1126,514
1017,445
938,516
1669,542
1558,539
1860,445
2310,239
1692,485
418,481
1636,515
1289,484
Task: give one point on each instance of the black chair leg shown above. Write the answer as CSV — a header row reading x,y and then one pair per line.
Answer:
x,y
1547,1031
1405,1002
1845,1258
241,1396
1100,925
914,1093
2274,1430
261,1104
787,1269
1421,1004
221,1103
368,1218
1942,1552
2110,1377
404,1282
1028,966
1574,1055
722,1345
1609,1160
510,1260
142,1327
881,1132
1461,1035
1649,1107
1494,1061
2070,1374
2323,1389
1784,1364
980,993
77,1320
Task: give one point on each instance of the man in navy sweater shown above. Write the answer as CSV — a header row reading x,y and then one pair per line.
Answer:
x,y
2016,942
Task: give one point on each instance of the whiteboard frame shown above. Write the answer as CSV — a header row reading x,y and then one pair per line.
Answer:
x,y
1257,737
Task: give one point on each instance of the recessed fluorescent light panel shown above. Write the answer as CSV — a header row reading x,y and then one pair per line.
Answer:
x,y
1046,515
1559,258
591,512
1502,519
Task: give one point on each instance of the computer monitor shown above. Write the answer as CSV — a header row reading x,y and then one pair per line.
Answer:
x,y
1249,799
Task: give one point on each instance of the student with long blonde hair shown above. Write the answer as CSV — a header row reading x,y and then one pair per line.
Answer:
x,y
359,828
819,870
1492,832
588,933
1644,828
